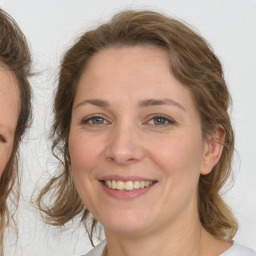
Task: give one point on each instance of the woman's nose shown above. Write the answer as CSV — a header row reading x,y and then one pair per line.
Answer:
x,y
125,146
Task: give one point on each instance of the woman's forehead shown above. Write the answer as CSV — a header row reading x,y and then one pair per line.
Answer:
x,y
134,65
135,73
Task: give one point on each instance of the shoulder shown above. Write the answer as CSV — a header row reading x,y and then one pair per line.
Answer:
x,y
238,250
98,250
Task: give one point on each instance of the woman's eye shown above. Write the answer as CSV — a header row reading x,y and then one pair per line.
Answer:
x,y
95,120
2,139
160,120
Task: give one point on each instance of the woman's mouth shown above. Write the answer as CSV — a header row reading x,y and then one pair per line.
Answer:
x,y
127,185
125,188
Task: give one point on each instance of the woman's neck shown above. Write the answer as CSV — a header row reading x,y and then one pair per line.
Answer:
x,y
192,241
183,239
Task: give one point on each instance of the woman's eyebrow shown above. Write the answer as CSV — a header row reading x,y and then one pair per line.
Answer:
x,y
156,102
95,102
141,104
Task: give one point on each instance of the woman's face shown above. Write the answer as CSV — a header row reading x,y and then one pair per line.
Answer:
x,y
136,143
9,109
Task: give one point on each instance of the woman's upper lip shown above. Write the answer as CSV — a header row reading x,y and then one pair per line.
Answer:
x,y
125,178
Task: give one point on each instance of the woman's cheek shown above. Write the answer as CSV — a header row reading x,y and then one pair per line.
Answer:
x,y
83,151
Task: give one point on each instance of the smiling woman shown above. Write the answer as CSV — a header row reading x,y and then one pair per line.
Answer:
x,y
143,131
15,110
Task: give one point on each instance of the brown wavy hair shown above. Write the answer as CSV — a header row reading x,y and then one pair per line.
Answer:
x,y
193,63
14,56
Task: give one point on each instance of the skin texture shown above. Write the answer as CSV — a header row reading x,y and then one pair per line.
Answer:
x,y
132,117
9,106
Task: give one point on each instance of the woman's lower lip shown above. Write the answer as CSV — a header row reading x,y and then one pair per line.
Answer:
x,y
124,194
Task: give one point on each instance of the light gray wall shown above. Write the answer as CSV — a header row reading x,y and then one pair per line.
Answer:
x,y
51,26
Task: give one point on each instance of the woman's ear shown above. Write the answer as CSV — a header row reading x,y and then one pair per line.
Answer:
x,y
213,149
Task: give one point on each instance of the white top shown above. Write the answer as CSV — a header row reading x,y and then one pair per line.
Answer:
x,y
238,250
234,250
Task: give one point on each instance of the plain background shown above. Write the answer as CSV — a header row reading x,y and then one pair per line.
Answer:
x,y
51,26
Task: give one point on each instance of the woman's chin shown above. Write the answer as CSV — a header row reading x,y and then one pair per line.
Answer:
x,y
127,225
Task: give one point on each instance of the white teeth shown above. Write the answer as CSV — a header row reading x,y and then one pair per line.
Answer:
x,y
113,185
120,185
136,184
128,185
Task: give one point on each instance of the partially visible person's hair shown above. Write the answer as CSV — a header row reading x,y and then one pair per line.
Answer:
x,y
14,56
193,63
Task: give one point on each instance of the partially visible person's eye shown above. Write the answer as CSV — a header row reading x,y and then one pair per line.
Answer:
x,y
95,120
160,120
2,139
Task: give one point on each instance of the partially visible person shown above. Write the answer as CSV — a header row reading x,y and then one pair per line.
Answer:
x,y
15,112
143,131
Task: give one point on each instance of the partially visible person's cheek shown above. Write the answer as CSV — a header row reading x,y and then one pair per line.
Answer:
x,y
5,152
